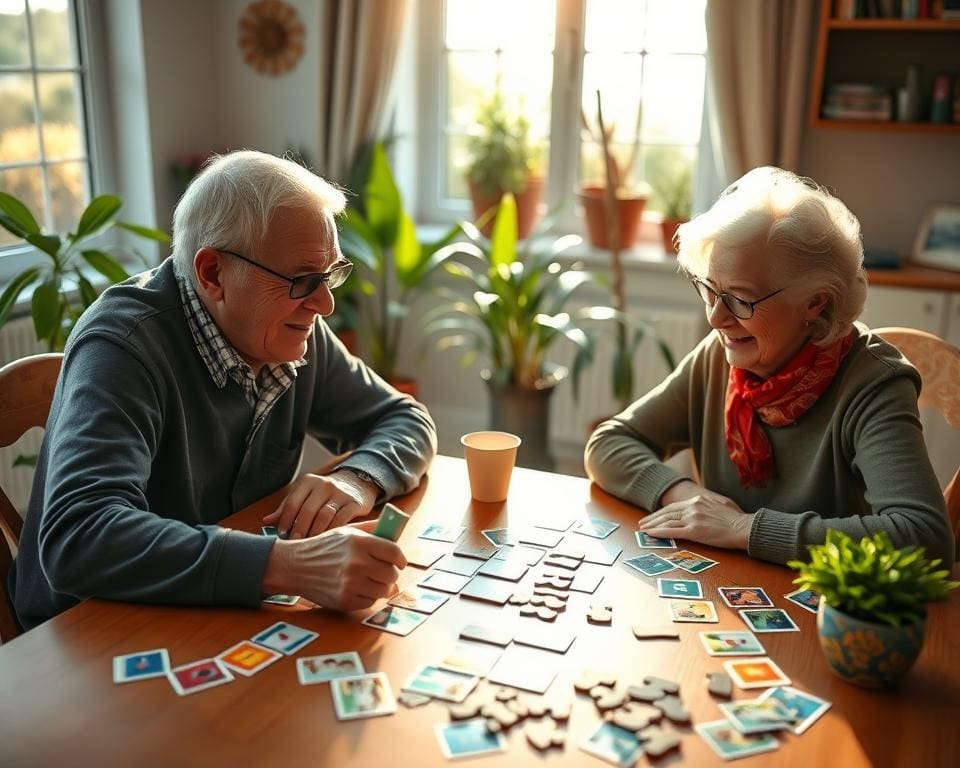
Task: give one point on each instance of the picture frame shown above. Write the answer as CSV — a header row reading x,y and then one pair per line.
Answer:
x,y
937,243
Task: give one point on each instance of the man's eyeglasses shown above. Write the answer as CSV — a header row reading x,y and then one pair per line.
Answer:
x,y
739,308
304,285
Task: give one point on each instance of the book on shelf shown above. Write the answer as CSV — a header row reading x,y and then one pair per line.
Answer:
x,y
857,101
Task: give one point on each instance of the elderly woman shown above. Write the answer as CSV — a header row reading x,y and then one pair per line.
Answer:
x,y
799,420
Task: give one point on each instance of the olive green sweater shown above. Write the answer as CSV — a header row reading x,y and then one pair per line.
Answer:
x,y
856,461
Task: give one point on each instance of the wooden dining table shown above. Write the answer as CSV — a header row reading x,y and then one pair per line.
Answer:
x,y
59,706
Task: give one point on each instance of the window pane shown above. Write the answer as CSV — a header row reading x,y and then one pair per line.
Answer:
x,y
614,25
13,34
53,45
59,108
471,78
456,177
673,99
18,128
493,24
618,78
24,184
592,168
68,191
525,82
676,25
665,169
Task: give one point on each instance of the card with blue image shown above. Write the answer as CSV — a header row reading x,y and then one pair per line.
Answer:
x,y
689,588
285,638
141,666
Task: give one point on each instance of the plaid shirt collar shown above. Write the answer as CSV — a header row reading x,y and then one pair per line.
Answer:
x,y
223,361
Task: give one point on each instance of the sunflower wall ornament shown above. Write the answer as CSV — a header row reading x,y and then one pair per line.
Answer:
x,y
270,35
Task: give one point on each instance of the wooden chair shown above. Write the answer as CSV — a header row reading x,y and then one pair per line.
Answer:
x,y
26,392
939,365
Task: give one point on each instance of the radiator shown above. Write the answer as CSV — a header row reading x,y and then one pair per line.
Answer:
x,y
17,340
571,419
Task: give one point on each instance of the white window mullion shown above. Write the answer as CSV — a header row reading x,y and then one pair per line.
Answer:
x,y
47,212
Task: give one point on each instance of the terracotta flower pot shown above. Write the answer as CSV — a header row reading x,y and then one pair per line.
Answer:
x,y
669,229
528,206
629,216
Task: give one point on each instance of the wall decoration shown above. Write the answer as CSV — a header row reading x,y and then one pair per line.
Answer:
x,y
271,36
938,239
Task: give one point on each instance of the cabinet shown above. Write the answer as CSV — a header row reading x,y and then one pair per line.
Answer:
x,y
877,52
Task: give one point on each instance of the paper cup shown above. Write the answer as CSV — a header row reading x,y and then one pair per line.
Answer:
x,y
490,458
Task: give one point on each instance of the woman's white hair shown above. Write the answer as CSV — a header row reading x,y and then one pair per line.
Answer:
x,y
817,239
230,203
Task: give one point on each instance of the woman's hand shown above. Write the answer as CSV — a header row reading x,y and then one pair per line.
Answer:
x,y
318,502
694,513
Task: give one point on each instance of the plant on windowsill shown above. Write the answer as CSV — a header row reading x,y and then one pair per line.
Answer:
x,y
54,309
507,304
871,618
380,237
676,192
503,160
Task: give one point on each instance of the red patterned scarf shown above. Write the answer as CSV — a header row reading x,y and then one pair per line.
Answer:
x,y
777,401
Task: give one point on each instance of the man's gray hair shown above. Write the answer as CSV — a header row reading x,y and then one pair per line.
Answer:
x,y
816,238
230,203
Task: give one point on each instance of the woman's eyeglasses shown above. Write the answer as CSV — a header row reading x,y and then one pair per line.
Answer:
x,y
739,308
304,285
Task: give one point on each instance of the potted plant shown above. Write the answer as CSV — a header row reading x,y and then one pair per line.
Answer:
x,y
502,160
53,304
508,305
871,617
379,235
676,200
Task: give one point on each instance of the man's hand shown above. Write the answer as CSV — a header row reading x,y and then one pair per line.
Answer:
x,y
318,502
692,512
346,568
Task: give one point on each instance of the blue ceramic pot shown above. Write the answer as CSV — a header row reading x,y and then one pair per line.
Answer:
x,y
866,653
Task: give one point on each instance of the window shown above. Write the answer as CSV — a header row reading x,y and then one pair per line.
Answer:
x,y
44,156
547,59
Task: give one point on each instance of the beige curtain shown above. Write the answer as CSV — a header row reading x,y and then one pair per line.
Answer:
x,y
759,54
359,42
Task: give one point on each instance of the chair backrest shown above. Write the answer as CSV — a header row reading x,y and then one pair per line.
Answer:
x,y
939,365
26,392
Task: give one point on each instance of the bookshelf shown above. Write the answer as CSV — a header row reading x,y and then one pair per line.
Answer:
x,y
878,51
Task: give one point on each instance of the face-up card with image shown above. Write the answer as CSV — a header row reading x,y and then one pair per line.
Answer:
x,y
422,554
731,644
649,564
442,684
198,676
745,597
270,530
470,658
525,668
486,590
465,566
469,738
141,666
808,599
804,708
281,600
646,541
529,555
362,696
322,669
768,620
499,536
689,561
756,673
480,549
420,600
685,588
700,611
447,533
486,635
539,537
513,569
730,744
285,638
443,581
550,637
613,744
248,658
397,621
757,715
596,527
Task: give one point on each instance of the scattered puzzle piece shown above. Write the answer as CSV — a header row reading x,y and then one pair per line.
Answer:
x,y
673,708
505,694
536,706
667,686
560,710
606,698
499,716
657,742
551,602
562,561
591,678
633,717
469,708
655,633
560,595
541,612
519,708
720,684
600,614
544,735
411,699
556,581
520,598
646,693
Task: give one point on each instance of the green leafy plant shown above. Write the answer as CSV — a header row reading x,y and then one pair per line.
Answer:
x,y
501,156
54,309
676,194
379,235
509,305
872,580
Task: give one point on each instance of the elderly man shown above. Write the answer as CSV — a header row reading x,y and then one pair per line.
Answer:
x,y
185,395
